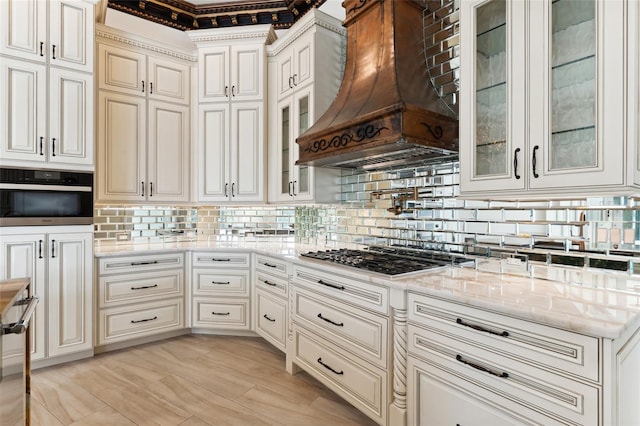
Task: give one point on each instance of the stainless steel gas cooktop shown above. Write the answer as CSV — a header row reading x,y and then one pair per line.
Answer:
x,y
391,261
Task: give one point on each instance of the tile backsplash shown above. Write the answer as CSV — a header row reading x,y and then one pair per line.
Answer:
x,y
415,207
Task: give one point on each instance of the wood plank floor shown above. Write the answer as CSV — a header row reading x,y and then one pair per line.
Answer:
x,y
192,380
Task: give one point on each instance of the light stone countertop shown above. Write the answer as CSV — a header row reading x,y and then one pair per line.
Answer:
x,y
603,305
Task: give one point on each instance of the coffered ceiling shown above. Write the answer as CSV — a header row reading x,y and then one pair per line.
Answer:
x,y
201,14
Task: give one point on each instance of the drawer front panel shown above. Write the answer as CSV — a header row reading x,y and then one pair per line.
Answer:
x,y
229,283
359,293
536,388
276,285
120,289
112,265
216,259
357,331
271,318
533,343
222,314
273,266
364,387
129,322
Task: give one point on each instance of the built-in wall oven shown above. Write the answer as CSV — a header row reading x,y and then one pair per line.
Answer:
x,y
45,197
17,305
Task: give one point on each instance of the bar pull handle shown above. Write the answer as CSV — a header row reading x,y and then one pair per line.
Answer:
x,y
53,50
221,282
268,319
53,249
142,86
503,374
220,313
233,189
142,185
53,147
144,320
151,88
41,48
534,161
144,287
226,91
295,83
226,189
39,249
290,85
329,321
290,190
515,163
144,263
480,328
41,145
328,367
151,192
338,287
294,187
233,90
268,265
22,324
269,283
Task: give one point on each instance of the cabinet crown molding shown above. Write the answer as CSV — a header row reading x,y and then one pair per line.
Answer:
x,y
311,19
104,32
265,32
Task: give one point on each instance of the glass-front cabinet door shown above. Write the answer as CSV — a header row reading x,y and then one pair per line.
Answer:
x,y
492,95
285,144
302,174
576,92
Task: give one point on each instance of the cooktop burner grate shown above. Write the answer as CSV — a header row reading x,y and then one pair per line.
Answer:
x,y
390,261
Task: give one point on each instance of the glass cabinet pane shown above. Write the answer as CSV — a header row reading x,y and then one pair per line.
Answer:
x,y
491,89
573,84
285,187
303,124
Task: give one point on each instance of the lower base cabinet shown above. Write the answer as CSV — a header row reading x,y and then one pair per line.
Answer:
x,y
139,296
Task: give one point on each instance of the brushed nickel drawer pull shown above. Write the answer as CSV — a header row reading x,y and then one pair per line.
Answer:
x,y
268,319
339,287
144,320
479,328
503,374
328,367
329,321
144,287
220,313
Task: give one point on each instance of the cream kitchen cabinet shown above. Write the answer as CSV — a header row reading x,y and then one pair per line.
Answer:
x,y
58,134
221,291
136,73
144,122
271,278
139,297
59,261
543,85
475,366
341,335
143,149
302,96
55,32
231,152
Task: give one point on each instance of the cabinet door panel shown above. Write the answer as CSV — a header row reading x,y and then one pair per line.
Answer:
x,y
121,141
214,74
24,256
70,293
122,70
168,160
247,144
168,81
214,152
71,117
304,62
71,34
24,29
247,73
23,110
285,73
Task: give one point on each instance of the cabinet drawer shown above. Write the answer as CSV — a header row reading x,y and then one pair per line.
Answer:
x,y
121,289
129,322
273,284
362,385
112,265
271,318
215,259
273,266
533,343
227,283
355,330
355,292
220,313
538,389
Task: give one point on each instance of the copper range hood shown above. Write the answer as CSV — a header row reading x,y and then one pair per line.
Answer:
x,y
386,112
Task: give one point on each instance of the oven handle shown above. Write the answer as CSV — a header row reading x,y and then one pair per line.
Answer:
x,y
32,187
22,324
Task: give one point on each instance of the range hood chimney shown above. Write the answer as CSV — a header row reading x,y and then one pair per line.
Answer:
x,y
386,112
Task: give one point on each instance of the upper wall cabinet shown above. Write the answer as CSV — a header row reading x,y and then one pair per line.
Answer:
x,y
135,73
144,120
544,90
68,42
298,96
47,92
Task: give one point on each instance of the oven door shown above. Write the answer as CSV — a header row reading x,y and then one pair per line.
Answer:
x,y
15,363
